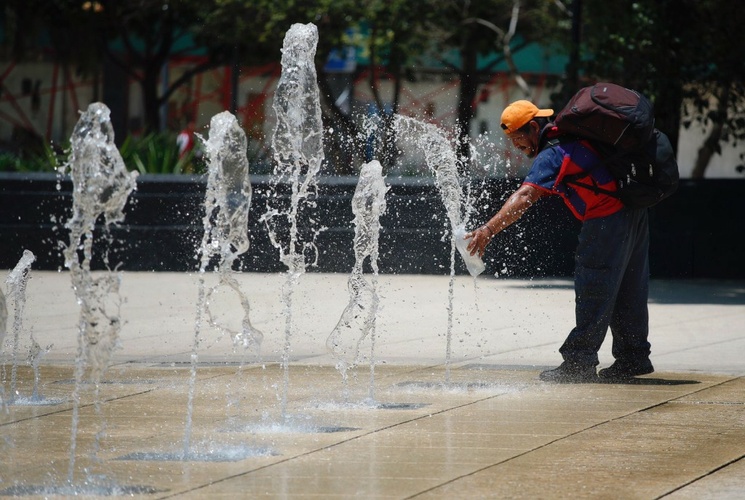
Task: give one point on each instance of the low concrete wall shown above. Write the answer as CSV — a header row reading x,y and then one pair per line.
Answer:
x,y
695,234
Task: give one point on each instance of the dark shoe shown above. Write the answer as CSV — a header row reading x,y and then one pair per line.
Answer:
x,y
570,373
620,372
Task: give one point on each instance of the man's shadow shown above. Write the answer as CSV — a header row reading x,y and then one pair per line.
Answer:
x,y
650,381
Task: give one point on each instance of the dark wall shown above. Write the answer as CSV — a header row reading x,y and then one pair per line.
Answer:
x,y
700,231
697,233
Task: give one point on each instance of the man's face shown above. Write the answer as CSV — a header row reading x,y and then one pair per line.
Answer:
x,y
525,141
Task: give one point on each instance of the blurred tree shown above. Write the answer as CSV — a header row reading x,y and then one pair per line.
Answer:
x,y
395,36
137,35
261,25
140,36
687,55
27,22
20,27
476,29
640,45
676,51
716,93
401,35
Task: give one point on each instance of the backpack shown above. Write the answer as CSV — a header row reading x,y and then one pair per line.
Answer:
x,y
619,124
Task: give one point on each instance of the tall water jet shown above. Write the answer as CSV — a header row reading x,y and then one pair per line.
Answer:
x,y
3,329
16,281
358,319
101,186
440,158
35,354
298,153
3,318
227,203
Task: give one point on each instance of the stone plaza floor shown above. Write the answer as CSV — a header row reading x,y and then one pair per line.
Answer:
x,y
443,412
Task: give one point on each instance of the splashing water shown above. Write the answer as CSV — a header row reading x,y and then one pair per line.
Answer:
x,y
358,319
298,153
101,186
3,318
441,160
474,264
16,281
3,329
229,200
35,354
227,203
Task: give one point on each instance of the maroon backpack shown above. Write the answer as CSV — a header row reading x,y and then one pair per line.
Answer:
x,y
619,122
610,114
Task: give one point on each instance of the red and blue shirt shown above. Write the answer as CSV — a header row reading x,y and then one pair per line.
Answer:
x,y
567,158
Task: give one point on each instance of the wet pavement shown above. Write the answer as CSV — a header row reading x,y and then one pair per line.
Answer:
x,y
476,423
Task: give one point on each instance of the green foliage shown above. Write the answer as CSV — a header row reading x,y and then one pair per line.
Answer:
x,y
150,154
676,51
687,55
639,44
47,160
158,154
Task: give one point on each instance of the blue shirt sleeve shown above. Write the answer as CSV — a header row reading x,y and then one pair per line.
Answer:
x,y
546,168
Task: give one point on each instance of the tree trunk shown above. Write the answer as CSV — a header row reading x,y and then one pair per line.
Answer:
x,y
669,96
345,147
396,62
150,100
711,144
467,98
667,112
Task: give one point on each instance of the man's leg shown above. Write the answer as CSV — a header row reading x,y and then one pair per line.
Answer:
x,y
601,258
599,266
630,318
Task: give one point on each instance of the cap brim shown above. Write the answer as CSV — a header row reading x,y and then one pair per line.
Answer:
x,y
545,113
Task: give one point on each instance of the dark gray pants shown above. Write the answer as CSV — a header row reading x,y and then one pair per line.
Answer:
x,y
611,283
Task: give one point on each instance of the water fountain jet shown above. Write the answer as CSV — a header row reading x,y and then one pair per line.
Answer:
x,y
440,158
16,281
358,319
298,152
227,204
101,187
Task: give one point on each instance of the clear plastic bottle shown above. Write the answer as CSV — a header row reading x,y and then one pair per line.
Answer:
x,y
474,264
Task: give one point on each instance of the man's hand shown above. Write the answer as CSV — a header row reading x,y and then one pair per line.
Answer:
x,y
513,209
479,239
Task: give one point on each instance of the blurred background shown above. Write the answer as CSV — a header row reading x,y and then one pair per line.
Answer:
x,y
165,67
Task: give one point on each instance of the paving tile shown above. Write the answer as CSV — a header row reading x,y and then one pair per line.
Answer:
x,y
725,483
320,486
643,455
478,425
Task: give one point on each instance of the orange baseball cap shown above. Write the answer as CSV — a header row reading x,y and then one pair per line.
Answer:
x,y
519,113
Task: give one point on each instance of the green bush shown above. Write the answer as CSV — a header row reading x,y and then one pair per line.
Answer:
x,y
151,154
157,153
44,161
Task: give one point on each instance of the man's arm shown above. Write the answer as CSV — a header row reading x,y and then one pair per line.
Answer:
x,y
515,206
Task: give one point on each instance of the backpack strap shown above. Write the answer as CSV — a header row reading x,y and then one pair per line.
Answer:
x,y
551,143
592,187
574,179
